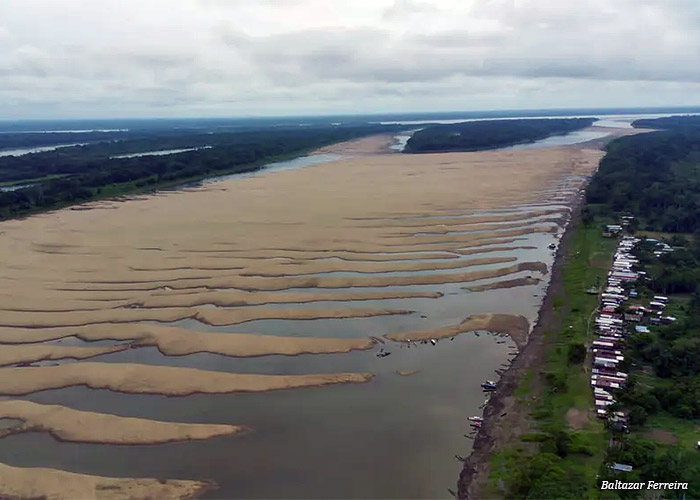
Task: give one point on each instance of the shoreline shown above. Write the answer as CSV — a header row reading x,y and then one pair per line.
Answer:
x,y
474,474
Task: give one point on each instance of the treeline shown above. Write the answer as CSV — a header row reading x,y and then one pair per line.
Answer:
x,y
87,173
655,176
678,123
17,140
653,462
489,134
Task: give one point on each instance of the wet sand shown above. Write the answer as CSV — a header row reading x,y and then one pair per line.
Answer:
x,y
517,327
165,380
52,484
504,284
11,355
66,424
163,286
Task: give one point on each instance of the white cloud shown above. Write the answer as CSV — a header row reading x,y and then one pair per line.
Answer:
x,y
221,57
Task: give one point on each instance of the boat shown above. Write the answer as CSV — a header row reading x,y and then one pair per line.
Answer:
x,y
475,419
476,424
489,385
551,246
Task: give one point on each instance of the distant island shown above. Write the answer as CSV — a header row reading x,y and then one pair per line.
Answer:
x,y
490,134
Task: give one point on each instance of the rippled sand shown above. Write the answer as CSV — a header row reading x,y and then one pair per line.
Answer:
x,y
266,247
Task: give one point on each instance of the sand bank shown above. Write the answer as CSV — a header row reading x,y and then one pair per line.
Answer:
x,y
213,316
175,341
53,484
20,354
374,144
454,220
66,424
165,380
493,229
527,281
252,283
516,327
471,251
236,299
372,268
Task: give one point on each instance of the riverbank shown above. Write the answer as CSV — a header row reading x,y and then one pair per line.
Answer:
x,y
542,414
287,297
510,433
504,418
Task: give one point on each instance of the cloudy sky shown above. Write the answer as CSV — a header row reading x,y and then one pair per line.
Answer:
x,y
123,58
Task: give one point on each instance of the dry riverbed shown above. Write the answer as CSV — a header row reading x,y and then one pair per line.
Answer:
x,y
174,271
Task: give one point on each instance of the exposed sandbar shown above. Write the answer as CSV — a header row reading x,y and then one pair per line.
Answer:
x,y
19,354
253,283
472,251
176,341
212,316
374,144
236,299
54,484
165,380
517,327
315,267
456,219
431,229
527,281
67,424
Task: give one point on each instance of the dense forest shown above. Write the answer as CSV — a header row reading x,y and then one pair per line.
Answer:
x,y
651,176
489,134
76,174
656,176
689,122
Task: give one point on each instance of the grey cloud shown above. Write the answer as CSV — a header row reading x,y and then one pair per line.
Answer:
x,y
377,55
410,54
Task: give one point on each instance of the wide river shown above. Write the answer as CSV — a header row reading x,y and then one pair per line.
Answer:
x,y
399,436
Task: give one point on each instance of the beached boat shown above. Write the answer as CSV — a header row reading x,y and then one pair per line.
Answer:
x,y
489,385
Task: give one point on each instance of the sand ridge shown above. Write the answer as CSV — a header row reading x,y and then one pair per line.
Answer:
x,y
497,285
517,327
152,379
54,484
67,424
21,354
118,270
176,341
212,316
249,283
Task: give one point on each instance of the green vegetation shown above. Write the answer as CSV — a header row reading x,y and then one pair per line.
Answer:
x,y
77,174
560,456
655,176
652,176
489,134
670,123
